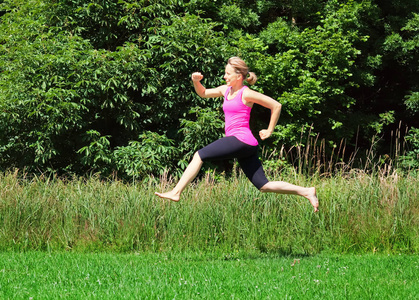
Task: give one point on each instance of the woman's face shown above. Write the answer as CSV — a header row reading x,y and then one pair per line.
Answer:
x,y
230,76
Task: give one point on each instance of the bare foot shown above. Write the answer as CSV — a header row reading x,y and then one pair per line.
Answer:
x,y
169,195
312,197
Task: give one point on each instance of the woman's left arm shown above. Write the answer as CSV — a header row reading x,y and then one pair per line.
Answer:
x,y
251,96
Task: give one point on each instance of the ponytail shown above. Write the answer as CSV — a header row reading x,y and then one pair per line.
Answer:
x,y
251,78
241,68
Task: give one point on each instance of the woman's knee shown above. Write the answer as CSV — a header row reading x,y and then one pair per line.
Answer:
x,y
196,156
265,188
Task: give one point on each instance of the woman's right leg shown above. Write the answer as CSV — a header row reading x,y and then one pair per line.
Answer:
x,y
189,175
224,148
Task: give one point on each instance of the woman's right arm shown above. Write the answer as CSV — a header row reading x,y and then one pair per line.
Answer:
x,y
204,92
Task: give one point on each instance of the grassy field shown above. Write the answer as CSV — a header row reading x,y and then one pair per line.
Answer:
x,y
78,238
359,213
41,275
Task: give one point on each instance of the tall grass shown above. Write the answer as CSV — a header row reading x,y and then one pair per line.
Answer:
x,y
366,205
360,212
313,155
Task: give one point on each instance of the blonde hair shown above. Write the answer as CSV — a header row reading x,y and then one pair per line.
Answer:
x,y
241,68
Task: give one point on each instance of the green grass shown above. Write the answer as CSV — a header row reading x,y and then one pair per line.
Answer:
x,y
41,275
90,238
359,213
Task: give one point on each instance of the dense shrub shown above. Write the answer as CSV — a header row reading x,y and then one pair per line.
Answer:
x,y
82,83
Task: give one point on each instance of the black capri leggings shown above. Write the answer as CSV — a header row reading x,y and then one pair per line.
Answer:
x,y
230,147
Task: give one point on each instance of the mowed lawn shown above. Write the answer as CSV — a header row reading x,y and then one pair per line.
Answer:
x,y
41,275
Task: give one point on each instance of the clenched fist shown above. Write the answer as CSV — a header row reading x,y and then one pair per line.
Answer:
x,y
264,134
197,76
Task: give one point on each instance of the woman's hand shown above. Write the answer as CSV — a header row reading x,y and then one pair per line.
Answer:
x,y
204,92
264,134
197,76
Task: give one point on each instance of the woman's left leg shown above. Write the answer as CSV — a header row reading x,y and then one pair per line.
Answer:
x,y
253,169
282,187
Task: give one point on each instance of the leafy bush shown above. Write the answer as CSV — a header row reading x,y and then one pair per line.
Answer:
x,y
79,80
198,133
411,159
62,91
152,154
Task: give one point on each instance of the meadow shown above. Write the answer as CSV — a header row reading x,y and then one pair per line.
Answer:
x,y
41,275
84,238
359,213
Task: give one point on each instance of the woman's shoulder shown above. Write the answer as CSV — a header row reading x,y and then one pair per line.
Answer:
x,y
223,88
248,92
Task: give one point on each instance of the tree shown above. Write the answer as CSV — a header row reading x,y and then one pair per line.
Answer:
x,y
83,85
63,94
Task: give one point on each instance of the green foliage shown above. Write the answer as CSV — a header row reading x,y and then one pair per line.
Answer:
x,y
80,80
228,14
177,53
59,88
311,71
97,154
412,102
151,154
62,89
411,159
109,24
198,133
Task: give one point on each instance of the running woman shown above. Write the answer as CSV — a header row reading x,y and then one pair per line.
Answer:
x,y
239,141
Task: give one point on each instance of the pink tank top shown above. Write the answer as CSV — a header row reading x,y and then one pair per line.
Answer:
x,y
237,117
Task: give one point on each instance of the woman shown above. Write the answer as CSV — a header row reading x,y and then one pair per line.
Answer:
x,y
239,141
